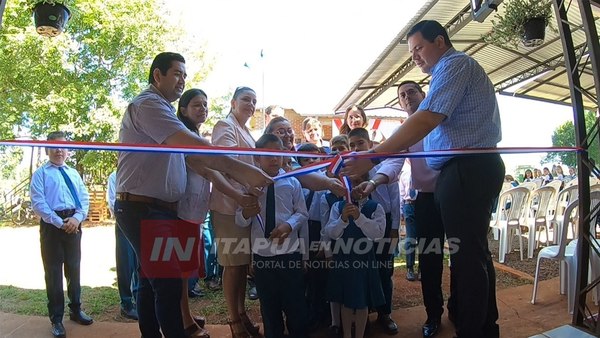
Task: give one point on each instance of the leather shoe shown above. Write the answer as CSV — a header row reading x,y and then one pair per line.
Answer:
x,y
410,276
58,330
80,317
200,320
252,294
387,323
431,328
195,293
130,314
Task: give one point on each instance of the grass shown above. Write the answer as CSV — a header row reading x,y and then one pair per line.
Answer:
x,y
102,303
96,301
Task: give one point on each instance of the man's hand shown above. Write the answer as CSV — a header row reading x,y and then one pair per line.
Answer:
x,y
356,167
251,210
246,200
280,233
71,225
253,178
350,210
363,190
336,187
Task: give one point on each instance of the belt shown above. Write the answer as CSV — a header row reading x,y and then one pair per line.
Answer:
x,y
65,213
125,196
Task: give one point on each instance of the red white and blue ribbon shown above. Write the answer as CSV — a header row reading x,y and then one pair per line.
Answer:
x,y
348,186
336,164
305,170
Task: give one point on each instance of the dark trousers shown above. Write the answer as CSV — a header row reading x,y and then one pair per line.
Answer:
x,y
58,249
280,286
430,232
384,255
127,266
158,299
316,278
464,193
410,242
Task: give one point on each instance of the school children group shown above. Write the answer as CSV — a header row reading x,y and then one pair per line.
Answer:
x,y
320,259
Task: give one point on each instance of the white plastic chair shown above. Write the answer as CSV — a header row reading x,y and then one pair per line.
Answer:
x,y
529,185
566,195
559,252
594,271
545,202
510,219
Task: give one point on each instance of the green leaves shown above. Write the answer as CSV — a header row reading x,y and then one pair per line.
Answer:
x,y
81,80
508,26
564,136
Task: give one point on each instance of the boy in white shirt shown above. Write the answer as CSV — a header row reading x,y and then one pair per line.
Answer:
x,y
279,239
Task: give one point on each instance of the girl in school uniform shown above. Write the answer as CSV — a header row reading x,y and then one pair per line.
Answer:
x,y
354,278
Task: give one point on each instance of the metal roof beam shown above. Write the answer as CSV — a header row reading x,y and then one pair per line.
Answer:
x,y
550,64
424,10
454,26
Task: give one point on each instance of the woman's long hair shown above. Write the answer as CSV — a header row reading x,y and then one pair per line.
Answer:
x,y
184,101
345,129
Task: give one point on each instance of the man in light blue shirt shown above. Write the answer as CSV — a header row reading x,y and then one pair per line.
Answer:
x,y
126,263
460,111
60,198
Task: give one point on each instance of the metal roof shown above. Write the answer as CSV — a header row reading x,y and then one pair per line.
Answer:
x,y
536,73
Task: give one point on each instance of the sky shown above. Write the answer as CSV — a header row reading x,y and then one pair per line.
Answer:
x,y
314,51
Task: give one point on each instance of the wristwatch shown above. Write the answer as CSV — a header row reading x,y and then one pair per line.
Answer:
x,y
374,160
373,182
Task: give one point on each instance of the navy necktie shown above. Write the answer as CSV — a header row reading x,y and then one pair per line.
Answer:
x,y
70,186
270,211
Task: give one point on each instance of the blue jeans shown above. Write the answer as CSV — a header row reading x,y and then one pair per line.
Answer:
x,y
213,270
410,243
158,299
127,266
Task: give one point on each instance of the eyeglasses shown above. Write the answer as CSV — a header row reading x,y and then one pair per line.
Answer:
x,y
283,131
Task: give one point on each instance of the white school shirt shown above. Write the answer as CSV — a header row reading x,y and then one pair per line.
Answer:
x,y
388,196
373,228
290,207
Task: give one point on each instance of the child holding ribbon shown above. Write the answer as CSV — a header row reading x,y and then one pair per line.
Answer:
x,y
354,279
279,236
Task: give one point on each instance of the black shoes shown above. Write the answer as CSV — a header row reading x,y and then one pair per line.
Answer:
x,y
80,317
200,320
195,293
387,323
58,330
129,314
252,294
431,328
410,275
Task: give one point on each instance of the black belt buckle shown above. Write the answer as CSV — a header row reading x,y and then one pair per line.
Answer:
x,y
65,213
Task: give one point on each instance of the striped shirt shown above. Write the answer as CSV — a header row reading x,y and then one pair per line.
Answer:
x,y
461,90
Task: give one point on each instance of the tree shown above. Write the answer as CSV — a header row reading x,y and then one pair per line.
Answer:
x,y
80,81
564,136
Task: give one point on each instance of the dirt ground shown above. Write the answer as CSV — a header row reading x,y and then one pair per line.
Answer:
x,y
548,268
406,294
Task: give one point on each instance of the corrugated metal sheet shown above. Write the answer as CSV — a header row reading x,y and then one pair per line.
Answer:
x,y
505,66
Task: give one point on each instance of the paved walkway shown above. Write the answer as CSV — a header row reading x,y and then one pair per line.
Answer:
x,y
518,318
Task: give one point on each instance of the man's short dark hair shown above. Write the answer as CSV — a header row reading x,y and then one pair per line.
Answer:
x,y
265,139
430,29
308,148
163,62
413,83
55,135
360,133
